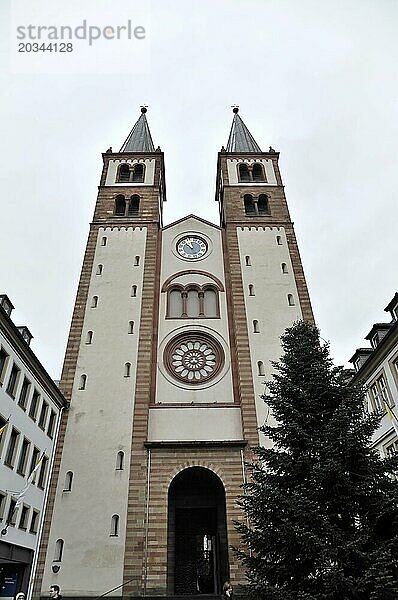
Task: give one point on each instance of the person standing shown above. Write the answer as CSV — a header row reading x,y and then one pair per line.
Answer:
x,y
227,591
55,592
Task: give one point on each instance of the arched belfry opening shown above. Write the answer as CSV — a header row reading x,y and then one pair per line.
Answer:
x,y
197,546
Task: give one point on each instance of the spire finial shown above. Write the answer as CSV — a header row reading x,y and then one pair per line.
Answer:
x,y
235,108
144,108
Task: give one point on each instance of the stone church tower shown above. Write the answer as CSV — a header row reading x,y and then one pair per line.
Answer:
x,y
172,335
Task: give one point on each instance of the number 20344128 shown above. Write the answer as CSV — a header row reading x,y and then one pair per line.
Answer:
x,y
52,47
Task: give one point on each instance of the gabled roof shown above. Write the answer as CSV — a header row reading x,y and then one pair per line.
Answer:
x,y
139,138
191,216
240,139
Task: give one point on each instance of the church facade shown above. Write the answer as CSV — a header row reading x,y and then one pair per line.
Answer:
x,y
172,335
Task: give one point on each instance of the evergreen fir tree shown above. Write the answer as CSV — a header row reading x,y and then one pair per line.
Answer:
x,y
321,507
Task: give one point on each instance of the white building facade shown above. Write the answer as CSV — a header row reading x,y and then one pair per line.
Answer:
x,y
377,366
30,407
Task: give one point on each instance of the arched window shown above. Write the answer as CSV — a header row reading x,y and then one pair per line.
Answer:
x,y
99,270
193,303
115,525
284,268
103,241
68,482
244,174
120,461
247,261
123,175
133,291
258,172
262,205
279,240
131,326
175,308
260,367
59,550
94,302
210,303
83,382
127,369
251,290
136,261
134,206
120,206
290,300
89,337
138,173
256,328
250,209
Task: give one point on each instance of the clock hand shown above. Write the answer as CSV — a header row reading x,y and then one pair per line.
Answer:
x,y
189,243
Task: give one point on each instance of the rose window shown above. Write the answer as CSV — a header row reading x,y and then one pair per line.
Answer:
x,y
194,358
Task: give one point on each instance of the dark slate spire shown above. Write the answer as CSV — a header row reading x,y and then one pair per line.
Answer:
x,y
240,138
139,138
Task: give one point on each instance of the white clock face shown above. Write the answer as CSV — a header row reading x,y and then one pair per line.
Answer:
x,y
191,247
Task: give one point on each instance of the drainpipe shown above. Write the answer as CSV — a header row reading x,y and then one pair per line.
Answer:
x,y
44,506
146,522
244,482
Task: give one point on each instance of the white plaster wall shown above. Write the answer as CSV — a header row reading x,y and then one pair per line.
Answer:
x,y
100,425
195,424
170,391
269,305
10,481
113,167
233,171
385,433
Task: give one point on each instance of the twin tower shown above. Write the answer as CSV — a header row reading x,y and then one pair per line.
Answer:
x,y
172,335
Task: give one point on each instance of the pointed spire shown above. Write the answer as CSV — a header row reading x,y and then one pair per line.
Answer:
x,y
240,139
139,138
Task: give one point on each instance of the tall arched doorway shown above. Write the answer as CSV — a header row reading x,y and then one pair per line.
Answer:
x,y
197,549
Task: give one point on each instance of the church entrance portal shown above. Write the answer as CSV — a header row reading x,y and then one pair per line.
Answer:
x,y
197,556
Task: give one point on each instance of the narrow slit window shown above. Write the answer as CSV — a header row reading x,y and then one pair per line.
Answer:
x,y
133,291
138,173
68,481
89,337
260,367
120,461
248,261
136,261
83,382
284,268
134,206
250,208
244,174
256,328
290,300
251,290
258,172
99,269
115,525
59,550
127,369
263,205
94,302
124,173
131,326
104,241
120,206
279,240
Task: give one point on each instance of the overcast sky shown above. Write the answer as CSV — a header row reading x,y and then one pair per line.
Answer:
x,y
316,80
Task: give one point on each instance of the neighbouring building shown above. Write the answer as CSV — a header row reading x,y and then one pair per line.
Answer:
x,y
30,407
172,335
377,366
